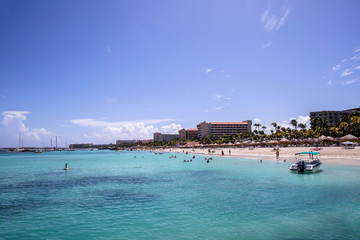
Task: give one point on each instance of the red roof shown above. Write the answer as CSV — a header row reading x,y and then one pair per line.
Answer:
x,y
193,130
228,123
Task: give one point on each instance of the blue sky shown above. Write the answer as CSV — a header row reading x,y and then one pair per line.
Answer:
x,y
97,71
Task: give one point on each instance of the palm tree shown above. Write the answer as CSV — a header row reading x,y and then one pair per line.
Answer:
x,y
264,128
294,123
344,127
302,125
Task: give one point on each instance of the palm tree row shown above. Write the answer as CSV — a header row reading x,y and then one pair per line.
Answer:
x,y
349,124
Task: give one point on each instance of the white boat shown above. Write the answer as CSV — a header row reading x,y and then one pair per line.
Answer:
x,y
306,162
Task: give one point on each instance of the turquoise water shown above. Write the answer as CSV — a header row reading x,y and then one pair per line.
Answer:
x,y
112,195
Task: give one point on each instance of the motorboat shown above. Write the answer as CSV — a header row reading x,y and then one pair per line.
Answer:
x,y
306,162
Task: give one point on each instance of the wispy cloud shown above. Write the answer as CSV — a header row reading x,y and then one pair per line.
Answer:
x,y
208,70
337,67
355,58
2,96
274,21
108,49
347,72
349,68
258,120
219,97
266,45
350,82
222,101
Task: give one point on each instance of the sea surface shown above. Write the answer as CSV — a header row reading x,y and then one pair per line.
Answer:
x,y
140,195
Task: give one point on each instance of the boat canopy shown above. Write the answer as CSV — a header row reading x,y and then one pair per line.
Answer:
x,y
313,153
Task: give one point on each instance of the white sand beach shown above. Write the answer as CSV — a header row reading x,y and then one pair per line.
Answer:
x,y
329,155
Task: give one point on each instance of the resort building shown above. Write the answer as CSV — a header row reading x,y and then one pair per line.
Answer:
x,y
223,128
188,133
332,117
158,137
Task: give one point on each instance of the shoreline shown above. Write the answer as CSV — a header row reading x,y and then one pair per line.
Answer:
x,y
328,155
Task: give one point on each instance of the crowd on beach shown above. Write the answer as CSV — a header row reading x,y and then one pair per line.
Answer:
x,y
329,154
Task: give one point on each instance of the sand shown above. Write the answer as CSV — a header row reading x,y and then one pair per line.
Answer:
x,y
328,155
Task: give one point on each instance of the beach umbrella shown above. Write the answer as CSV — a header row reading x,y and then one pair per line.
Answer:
x,y
348,143
272,142
330,139
322,138
284,140
348,137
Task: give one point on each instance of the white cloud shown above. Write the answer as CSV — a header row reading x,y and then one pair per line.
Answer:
x,y
111,131
330,83
171,128
357,50
219,97
300,119
357,67
283,19
355,58
258,120
347,72
266,45
337,67
271,22
13,123
219,108
350,82
208,70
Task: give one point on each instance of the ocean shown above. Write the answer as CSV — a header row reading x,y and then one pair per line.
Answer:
x,y
140,195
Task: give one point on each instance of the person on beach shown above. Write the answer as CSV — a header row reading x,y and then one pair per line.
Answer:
x,y
222,152
209,150
277,153
229,152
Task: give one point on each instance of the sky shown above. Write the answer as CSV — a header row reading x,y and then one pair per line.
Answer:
x,y
99,71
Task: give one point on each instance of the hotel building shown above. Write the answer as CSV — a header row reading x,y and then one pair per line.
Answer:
x,y
188,133
223,128
332,117
158,137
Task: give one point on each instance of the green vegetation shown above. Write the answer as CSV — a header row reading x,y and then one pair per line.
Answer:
x,y
349,124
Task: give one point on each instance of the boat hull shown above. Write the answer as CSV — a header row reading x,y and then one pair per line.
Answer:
x,y
308,168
